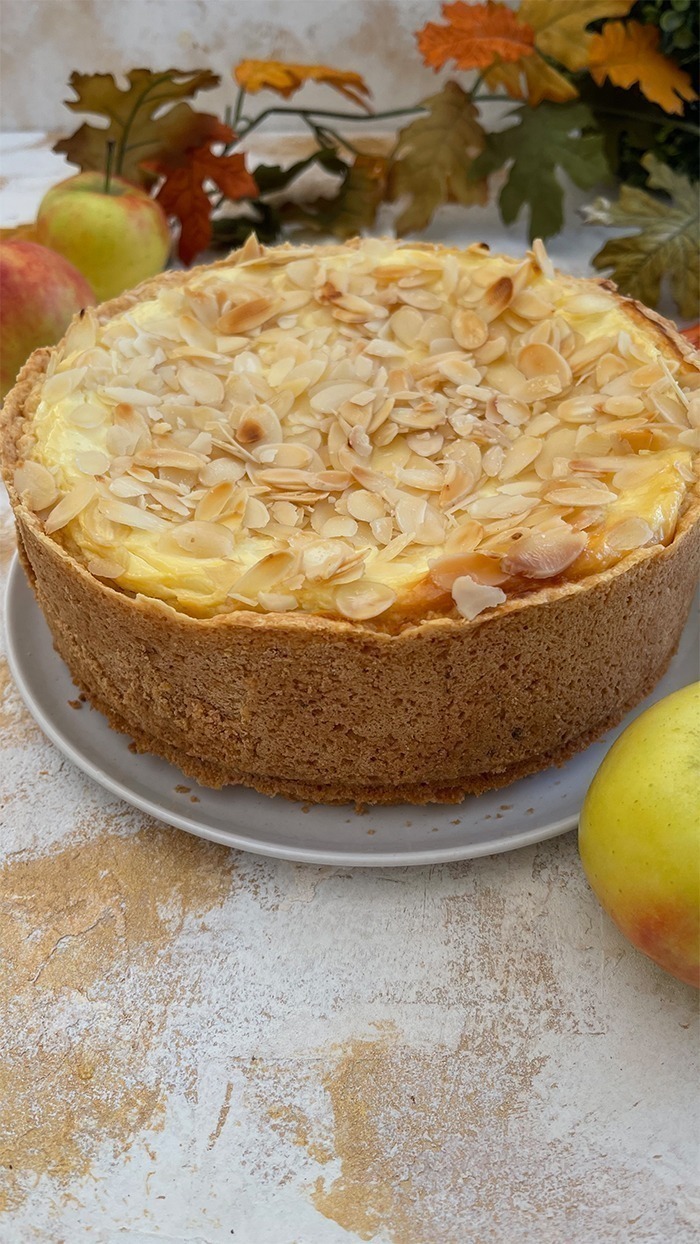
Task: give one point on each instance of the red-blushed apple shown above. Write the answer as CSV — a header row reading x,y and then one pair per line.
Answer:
x,y
116,237
639,834
40,293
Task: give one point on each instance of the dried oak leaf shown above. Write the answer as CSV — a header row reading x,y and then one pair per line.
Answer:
x,y
276,75
353,208
183,194
560,28
667,244
629,54
137,123
545,139
475,36
433,156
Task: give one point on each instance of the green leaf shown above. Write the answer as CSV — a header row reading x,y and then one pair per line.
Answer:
x,y
546,138
433,156
272,178
353,208
667,244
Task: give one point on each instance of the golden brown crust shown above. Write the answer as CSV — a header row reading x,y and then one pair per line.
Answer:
x,y
327,709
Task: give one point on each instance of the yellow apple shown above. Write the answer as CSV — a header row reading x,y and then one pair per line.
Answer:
x,y
639,834
40,293
116,237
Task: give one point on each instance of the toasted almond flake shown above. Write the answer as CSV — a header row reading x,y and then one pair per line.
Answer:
x,y
521,455
580,494
542,260
338,526
496,299
493,461
162,457
222,498
472,598
406,324
246,316
470,331
130,515
500,506
382,529
61,385
589,304
363,599
630,534
324,558
266,574
106,567
544,554
93,462
255,515
221,469
70,506
454,565
204,386
35,485
202,539
364,506
538,360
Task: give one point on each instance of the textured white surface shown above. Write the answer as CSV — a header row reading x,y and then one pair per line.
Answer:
x,y
205,1046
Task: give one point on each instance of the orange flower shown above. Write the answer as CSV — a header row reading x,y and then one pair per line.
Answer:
x,y
277,75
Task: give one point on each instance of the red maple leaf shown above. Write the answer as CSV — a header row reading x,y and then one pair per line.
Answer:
x,y
183,194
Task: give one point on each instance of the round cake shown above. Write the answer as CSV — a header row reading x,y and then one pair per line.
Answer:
x,y
379,522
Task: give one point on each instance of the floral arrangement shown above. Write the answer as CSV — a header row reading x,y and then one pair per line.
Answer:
x,y
606,91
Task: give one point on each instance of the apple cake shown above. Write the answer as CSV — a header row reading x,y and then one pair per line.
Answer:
x,y
377,521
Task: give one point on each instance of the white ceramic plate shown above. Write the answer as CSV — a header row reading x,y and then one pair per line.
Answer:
x,y
527,811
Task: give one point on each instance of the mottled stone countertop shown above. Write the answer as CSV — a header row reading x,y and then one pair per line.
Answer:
x,y
205,1046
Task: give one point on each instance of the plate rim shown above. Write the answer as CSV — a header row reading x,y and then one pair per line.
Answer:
x,y
16,579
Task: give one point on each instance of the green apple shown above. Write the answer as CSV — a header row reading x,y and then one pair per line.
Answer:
x,y
40,293
639,834
116,237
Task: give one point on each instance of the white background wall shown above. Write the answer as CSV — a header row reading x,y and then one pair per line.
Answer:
x,y
44,40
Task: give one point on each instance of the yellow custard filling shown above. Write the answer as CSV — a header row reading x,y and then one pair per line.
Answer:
x,y
359,429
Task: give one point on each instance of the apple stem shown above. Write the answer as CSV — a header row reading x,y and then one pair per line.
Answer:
x,y
111,144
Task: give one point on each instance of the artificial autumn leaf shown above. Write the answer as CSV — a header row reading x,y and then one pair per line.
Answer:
x,y
183,196
475,36
532,79
354,207
667,244
271,178
277,75
628,54
137,124
546,138
560,26
432,158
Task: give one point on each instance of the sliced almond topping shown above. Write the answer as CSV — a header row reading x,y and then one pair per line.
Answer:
x,y
469,330
631,533
363,599
544,554
203,539
472,598
35,485
70,506
478,566
244,318
106,567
